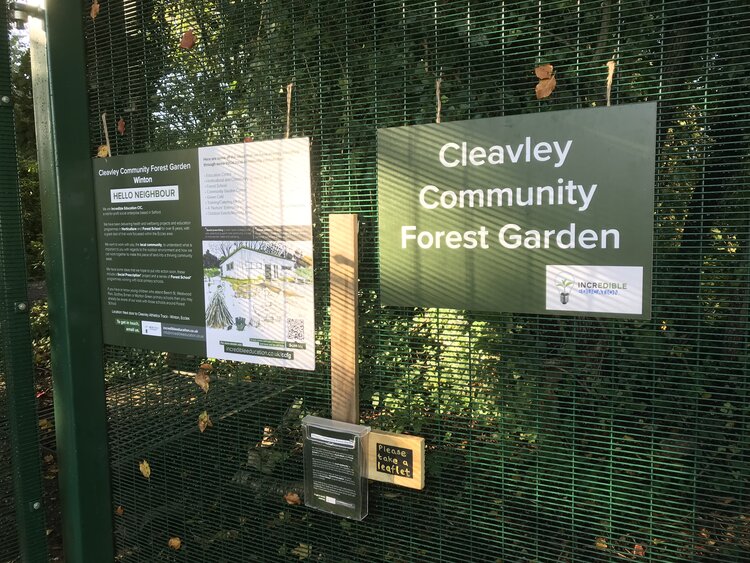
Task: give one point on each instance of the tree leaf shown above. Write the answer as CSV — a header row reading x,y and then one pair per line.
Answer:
x,y
95,7
119,511
292,498
121,126
145,469
188,40
302,551
175,543
102,151
204,421
601,543
639,550
201,377
545,88
544,72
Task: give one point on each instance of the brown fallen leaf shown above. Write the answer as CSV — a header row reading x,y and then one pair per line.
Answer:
x,y
102,151
49,458
119,511
201,377
95,7
292,498
121,126
545,87
188,40
175,543
204,421
601,543
543,71
145,469
639,550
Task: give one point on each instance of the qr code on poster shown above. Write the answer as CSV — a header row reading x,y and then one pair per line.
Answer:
x,y
295,329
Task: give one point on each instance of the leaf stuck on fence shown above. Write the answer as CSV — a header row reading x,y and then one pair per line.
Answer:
x,y
543,72
547,81
204,421
188,40
292,498
201,377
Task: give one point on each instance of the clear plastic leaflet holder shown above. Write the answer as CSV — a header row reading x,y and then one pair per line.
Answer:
x,y
335,467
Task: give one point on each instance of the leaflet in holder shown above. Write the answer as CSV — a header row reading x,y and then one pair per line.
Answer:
x,y
335,467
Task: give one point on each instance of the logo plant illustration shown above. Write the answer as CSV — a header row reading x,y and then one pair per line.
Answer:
x,y
564,284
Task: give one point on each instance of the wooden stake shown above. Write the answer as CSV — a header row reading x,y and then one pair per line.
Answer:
x,y
343,231
289,108
106,134
438,101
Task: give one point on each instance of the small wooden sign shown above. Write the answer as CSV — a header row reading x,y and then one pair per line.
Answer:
x,y
395,458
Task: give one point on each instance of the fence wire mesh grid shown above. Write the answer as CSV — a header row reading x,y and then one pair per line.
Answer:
x,y
8,540
548,439
25,395
8,543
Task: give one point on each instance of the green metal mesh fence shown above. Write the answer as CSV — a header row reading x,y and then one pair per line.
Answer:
x,y
548,439
22,495
9,549
8,542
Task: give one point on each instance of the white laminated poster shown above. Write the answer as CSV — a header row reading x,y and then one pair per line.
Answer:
x,y
209,251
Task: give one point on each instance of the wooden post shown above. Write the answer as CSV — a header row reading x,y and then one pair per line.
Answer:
x,y
343,230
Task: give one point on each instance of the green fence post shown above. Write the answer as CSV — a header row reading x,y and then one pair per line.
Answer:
x,y
61,110
16,337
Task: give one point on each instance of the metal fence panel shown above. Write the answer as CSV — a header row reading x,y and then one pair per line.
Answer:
x,y
548,439
22,519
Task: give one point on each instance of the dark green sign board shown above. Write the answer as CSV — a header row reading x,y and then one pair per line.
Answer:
x,y
541,213
209,252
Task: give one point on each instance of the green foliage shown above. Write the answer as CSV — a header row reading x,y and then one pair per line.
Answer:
x,y
40,338
23,107
28,184
23,98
